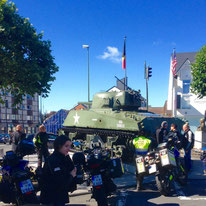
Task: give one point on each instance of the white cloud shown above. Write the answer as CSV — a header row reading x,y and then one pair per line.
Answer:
x,y
112,54
173,43
156,43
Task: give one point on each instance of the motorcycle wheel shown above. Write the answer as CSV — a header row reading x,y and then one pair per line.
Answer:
x,y
101,197
102,202
182,175
163,183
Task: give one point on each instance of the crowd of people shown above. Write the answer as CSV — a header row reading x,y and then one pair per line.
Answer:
x,y
58,173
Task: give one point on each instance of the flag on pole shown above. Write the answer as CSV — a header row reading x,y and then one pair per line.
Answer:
x,y
124,56
174,63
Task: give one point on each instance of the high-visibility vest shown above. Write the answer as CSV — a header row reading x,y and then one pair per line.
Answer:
x,y
37,140
141,144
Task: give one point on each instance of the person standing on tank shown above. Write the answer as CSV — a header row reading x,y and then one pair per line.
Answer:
x,y
161,133
58,174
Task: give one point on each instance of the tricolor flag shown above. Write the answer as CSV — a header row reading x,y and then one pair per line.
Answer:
x,y
124,56
174,63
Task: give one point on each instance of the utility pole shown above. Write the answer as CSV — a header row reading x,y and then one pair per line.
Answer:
x,y
87,46
148,74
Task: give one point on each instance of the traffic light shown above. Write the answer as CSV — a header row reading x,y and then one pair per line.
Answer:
x,y
149,72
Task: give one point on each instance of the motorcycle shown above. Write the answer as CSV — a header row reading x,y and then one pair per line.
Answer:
x,y
16,186
170,167
165,163
96,167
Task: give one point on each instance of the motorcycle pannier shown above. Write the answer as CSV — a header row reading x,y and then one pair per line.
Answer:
x,y
140,165
116,167
10,159
26,147
167,158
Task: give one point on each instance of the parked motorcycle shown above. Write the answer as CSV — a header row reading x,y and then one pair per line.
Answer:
x,y
15,185
96,167
170,166
165,163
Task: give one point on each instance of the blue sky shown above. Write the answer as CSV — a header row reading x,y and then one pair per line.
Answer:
x,y
153,28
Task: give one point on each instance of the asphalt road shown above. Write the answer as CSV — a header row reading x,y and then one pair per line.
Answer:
x,y
194,194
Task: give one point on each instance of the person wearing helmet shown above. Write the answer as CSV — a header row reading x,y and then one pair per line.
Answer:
x,y
162,132
142,146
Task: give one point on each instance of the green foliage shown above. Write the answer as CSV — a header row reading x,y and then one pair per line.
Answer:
x,y
198,85
26,63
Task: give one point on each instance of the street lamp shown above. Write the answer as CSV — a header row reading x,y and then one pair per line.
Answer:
x,y
87,46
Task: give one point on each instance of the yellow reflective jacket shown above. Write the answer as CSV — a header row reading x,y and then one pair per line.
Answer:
x,y
141,144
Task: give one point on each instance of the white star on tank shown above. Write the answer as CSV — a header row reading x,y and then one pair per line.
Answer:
x,y
76,119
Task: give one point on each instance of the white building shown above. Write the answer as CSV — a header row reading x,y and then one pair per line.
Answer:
x,y
181,101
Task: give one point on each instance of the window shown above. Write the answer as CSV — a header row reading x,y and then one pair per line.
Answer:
x,y
13,117
3,116
185,103
186,86
29,96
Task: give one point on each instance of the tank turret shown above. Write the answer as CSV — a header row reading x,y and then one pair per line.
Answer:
x,y
123,100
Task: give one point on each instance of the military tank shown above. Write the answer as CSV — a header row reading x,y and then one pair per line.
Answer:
x,y
116,118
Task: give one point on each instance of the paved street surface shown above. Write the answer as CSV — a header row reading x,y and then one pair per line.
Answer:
x,y
192,194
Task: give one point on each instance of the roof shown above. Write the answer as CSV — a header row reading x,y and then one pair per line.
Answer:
x,y
183,57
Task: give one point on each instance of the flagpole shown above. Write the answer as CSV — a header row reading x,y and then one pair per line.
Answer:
x,y
173,60
125,86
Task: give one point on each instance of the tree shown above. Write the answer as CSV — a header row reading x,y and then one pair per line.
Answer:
x,y
198,85
26,63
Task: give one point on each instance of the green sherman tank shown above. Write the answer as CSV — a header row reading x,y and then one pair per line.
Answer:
x,y
116,118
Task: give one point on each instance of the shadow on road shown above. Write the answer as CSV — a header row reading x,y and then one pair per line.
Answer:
x,y
143,198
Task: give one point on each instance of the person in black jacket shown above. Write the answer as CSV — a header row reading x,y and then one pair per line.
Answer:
x,y
174,133
188,145
17,137
40,141
58,174
162,132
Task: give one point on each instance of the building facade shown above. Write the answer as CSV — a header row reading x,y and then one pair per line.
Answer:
x,y
181,101
27,114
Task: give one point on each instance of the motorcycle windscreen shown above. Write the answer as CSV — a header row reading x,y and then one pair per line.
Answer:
x,y
97,180
26,186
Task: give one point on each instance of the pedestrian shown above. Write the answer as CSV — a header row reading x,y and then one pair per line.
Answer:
x,y
174,135
40,142
203,159
188,143
162,132
17,137
142,145
10,136
58,174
